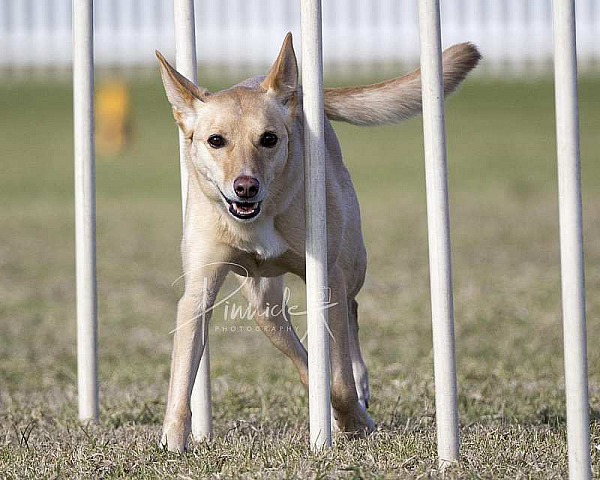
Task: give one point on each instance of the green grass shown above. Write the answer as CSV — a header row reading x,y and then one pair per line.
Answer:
x,y
507,301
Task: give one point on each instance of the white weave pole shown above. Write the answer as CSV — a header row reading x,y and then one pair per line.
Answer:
x,y
185,59
319,401
85,209
442,310
571,240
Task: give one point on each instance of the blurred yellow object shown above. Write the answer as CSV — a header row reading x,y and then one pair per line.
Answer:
x,y
113,117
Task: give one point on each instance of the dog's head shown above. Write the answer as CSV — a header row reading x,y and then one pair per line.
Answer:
x,y
238,138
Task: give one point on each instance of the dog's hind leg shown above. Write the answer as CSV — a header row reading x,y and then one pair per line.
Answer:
x,y
349,413
359,368
266,297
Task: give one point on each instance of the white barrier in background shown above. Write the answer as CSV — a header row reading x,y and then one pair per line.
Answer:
x,y
514,35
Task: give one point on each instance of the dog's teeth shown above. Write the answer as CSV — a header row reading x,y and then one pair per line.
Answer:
x,y
244,210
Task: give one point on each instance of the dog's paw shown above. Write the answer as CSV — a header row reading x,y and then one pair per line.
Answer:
x,y
370,424
174,437
355,424
334,424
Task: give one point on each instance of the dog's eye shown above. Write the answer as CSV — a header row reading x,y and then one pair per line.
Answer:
x,y
216,141
268,140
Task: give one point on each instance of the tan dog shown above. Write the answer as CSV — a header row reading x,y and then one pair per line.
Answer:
x,y
245,213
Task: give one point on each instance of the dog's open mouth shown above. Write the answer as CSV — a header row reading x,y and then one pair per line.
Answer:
x,y
243,210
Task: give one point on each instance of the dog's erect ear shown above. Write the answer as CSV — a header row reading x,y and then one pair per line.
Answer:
x,y
282,79
183,95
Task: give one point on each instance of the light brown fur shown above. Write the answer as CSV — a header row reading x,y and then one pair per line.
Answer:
x,y
272,243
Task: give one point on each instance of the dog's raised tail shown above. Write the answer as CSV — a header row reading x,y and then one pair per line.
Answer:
x,y
400,98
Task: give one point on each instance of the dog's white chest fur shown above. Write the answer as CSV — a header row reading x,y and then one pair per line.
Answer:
x,y
262,240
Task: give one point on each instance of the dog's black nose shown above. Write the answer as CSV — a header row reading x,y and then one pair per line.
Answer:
x,y
246,186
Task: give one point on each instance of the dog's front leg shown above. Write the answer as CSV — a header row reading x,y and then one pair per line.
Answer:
x,y
193,314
